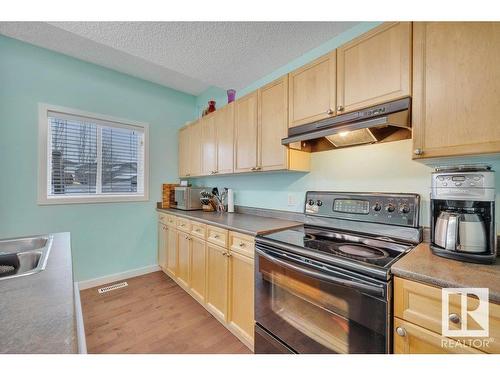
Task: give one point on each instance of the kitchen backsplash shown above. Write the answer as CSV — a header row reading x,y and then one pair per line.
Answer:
x,y
379,168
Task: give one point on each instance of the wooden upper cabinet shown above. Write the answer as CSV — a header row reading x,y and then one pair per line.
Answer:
x,y
224,127
375,67
312,91
245,133
184,151
273,124
194,155
208,144
456,88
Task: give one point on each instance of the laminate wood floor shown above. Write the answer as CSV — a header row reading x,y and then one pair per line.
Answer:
x,y
152,315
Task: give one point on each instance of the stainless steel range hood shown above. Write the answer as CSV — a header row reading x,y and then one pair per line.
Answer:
x,y
382,123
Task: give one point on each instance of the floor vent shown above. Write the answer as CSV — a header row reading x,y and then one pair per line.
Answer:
x,y
109,288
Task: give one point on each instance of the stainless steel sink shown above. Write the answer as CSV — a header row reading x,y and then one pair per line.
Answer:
x,y
23,256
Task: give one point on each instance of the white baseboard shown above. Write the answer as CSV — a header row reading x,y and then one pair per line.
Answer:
x,y
91,283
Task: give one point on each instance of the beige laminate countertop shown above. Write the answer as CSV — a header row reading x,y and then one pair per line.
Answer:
x,y
243,223
420,264
37,312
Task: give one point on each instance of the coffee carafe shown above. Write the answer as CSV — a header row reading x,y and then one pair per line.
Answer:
x,y
463,214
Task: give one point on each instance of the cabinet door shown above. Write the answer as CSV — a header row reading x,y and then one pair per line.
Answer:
x,y
456,88
245,119
217,281
184,152
183,245
208,144
412,339
194,153
162,245
241,302
273,124
312,91
198,268
171,245
375,67
224,126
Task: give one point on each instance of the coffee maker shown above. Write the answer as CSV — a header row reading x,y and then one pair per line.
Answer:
x,y
463,214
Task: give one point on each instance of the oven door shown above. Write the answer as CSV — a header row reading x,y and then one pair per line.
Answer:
x,y
316,308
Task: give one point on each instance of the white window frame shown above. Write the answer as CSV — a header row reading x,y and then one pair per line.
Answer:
x,y
44,174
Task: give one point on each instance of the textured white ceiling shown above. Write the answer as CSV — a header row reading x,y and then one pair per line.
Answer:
x,y
187,56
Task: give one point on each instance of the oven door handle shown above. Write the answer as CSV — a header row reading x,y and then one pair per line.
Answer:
x,y
369,289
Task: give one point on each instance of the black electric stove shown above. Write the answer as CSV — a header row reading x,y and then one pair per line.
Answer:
x,y
314,284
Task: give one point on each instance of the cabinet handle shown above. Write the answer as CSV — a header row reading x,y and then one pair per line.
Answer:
x,y
241,244
329,112
454,318
216,236
224,253
418,151
188,174
340,108
401,331
252,169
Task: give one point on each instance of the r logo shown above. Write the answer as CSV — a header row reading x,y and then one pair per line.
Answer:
x,y
473,321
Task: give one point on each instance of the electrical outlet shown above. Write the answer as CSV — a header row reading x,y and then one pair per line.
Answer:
x,y
292,200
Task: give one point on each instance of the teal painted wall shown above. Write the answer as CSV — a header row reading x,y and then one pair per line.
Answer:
x,y
383,167
106,238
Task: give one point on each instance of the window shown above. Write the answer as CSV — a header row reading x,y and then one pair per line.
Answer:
x,y
87,157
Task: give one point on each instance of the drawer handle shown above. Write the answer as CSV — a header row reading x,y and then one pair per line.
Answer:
x,y
241,244
401,331
197,230
216,236
454,318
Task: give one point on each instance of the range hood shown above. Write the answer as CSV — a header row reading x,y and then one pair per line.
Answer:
x,y
382,123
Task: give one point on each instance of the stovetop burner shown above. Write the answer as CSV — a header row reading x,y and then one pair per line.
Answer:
x,y
351,247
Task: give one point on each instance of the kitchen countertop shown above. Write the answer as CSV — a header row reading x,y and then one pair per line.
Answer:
x,y
37,312
243,223
420,264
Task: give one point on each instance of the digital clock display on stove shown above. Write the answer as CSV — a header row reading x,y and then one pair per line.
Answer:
x,y
352,206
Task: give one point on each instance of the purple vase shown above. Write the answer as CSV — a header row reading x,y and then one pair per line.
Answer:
x,y
231,95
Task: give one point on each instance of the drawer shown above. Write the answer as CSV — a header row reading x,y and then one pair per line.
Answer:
x,y
217,236
412,339
242,244
171,220
162,218
183,224
420,304
198,229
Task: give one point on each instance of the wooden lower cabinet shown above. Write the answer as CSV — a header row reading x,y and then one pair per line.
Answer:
x,y
217,277
171,249
162,245
418,315
418,340
198,268
183,245
216,267
241,297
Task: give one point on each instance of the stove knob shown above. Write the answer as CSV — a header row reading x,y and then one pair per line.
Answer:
x,y
311,202
390,207
404,209
319,203
377,207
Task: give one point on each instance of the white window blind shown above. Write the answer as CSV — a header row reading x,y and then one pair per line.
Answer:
x,y
93,158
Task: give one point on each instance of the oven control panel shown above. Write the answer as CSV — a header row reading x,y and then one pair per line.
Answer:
x,y
386,208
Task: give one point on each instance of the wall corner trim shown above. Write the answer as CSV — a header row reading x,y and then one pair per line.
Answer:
x,y
91,283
